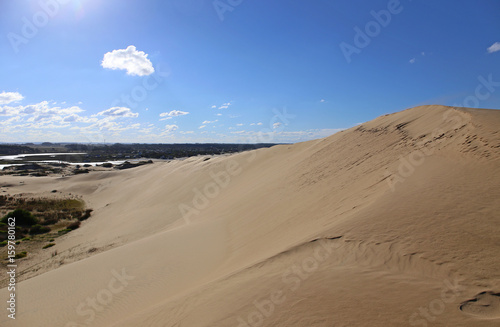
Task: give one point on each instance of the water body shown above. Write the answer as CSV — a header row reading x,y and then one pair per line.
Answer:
x,y
25,155
49,158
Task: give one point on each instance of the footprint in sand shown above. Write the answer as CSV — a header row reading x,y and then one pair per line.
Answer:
x,y
485,305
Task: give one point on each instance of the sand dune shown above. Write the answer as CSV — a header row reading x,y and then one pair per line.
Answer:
x,y
394,222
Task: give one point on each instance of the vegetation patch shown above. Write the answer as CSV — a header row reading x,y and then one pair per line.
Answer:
x,y
39,229
86,215
74,225
23,217
80,171
21,255
39,219
63,231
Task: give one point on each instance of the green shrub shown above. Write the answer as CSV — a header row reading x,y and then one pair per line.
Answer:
x,y
26,239
3,243
23,217
49,221
63,231
86,215
48,245
21,255
39,229
74,225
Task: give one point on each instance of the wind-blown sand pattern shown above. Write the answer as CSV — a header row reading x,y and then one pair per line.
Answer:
x,y
395,222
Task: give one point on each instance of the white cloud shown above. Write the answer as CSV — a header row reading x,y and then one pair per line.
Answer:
x,y
39,112
147,130
209,122
119,112
202,126
171,128
239,124
39,121
494,47
133,61
79,119
214,106
322,100
225,105
276,125
103,124
173,113
412,60
9,97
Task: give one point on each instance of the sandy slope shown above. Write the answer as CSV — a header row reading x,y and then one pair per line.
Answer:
x,y
391,223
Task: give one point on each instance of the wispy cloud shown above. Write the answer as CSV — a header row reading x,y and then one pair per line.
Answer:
x,y
38,110
494,47
172,114
412,60
129,59
171,128
119,112
41,121
223,106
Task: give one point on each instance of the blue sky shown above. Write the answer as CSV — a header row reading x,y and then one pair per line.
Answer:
x,y
245,71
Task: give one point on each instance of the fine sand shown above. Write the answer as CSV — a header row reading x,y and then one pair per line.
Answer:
x,y
395,222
